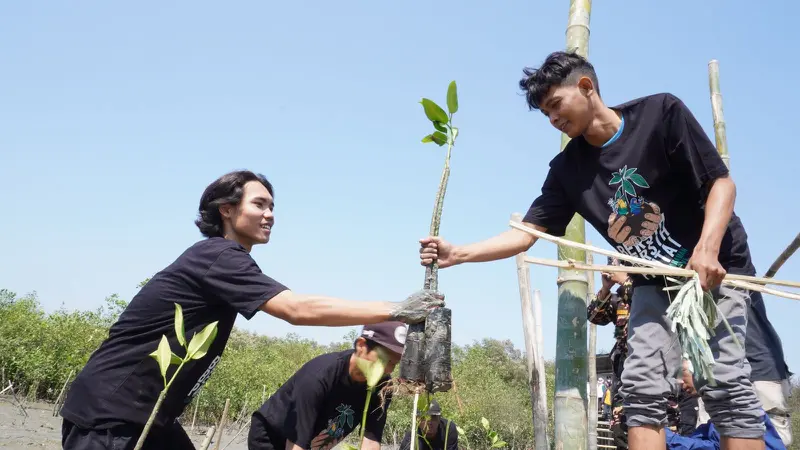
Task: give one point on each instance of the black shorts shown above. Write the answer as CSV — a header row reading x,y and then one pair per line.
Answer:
x,y
124,437
261,437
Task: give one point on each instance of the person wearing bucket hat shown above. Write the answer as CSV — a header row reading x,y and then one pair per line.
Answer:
x,y
434,432
323,402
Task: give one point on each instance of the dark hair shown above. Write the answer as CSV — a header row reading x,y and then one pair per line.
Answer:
x,y
557,69
225,190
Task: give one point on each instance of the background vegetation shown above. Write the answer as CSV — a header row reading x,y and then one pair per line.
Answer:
x,y
38,351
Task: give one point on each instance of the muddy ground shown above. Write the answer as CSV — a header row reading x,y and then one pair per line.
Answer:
x,y
41,431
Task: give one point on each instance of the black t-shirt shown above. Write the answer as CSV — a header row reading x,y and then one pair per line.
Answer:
x,y
320,405
437,442
656,174
212,281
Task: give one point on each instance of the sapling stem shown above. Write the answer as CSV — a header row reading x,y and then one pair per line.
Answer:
x,y
370,390
153,414
414,421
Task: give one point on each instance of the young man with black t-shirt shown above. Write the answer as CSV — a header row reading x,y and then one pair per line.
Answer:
x,y
647,177
213,280
434,432
323,402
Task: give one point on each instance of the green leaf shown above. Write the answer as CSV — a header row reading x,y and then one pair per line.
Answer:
x,y
434,112
460,430
428,138
349,447
629,172
639,180
455,133
618,195
485,423
452,97
175,359
201,341
439,137
439,127
499,444
493,436
615,179
373,370
629,188
179,325
163,356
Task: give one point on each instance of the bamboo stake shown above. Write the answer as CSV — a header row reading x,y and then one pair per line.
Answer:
x,y
716,109
222,423
207,440
7,388
783,257
63,388
414,421
196,405
531,349
537,321
591,396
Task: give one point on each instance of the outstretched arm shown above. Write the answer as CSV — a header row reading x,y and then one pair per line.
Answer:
x,y
504,245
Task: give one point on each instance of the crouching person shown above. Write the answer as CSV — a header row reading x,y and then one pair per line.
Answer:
x,y
322,403
434,432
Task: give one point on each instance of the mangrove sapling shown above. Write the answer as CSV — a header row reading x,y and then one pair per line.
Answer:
x,y
196,349
373,371
494,438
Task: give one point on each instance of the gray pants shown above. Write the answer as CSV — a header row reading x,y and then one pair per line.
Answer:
x,y
654,360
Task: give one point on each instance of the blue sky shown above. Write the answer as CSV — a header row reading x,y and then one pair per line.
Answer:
x,y
114,116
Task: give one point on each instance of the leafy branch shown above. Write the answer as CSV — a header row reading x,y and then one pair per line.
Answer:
x,y
373,371
197,348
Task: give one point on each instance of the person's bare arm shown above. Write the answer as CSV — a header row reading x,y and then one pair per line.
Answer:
x,y
369,444
298,309
292,446
504,245
718,211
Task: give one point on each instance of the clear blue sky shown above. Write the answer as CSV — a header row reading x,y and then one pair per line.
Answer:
x,y
114,116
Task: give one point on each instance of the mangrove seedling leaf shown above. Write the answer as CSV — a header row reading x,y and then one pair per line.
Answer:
x,y
349,447
460,430
434,112
163,356
440,138
179,325
452,97
201,341
499,444
373,370
485,423
455,133
176,359
439,127
428,138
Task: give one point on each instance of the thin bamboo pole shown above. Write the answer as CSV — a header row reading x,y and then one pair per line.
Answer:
x,y
663,269
716,109
591,400
222,421
569,407
531,350
783,257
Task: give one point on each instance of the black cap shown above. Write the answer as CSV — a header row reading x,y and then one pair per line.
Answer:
x,y
434,409
391,335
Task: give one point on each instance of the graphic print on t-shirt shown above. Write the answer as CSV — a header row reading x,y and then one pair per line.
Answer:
x,y
637,225
335,431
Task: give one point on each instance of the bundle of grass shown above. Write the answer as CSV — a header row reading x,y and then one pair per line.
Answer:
x,y
693,313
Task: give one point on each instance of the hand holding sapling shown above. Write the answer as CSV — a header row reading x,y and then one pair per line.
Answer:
x,y
706,264
436,249
417,306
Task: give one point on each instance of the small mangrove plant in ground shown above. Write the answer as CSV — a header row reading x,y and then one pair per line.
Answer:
x,y
196,349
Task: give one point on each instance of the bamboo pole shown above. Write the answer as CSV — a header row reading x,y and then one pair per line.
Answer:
x,y
56,409
531,349
537,319
222,421
716,109
783,257
652,267
591,400
569,406
207,440
196,405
